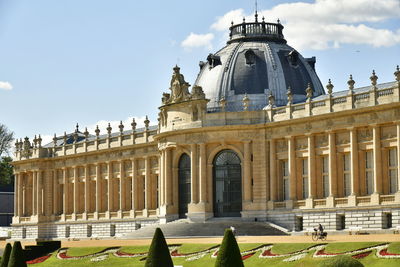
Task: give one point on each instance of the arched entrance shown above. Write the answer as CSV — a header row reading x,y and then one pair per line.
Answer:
x,y
227,184
184,185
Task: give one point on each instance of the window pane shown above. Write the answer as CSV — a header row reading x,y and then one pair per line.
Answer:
x,y
370,182
393,181
305,166
325,180
305,188
346,162
325,164
369,159
347,185
286,189
392,157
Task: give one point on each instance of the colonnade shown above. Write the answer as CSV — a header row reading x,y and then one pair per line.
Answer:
x,y
336,184
126,190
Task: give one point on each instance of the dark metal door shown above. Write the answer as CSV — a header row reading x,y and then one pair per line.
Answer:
x,y
184,185
227,184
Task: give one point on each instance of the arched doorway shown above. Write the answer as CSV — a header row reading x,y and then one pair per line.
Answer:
x,y
184,185
227,184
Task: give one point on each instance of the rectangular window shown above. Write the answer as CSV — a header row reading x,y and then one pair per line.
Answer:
x,y
325,176
369,171
393,170
346,175
285,178
305,177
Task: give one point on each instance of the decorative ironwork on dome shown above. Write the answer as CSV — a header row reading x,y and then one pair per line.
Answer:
x,y
256,31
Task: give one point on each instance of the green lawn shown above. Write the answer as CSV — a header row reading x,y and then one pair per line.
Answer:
x,y
208,261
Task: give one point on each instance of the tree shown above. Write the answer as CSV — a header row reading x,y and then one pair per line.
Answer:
x,y
159,255
17,258
6,256
6,171
6,139
229,253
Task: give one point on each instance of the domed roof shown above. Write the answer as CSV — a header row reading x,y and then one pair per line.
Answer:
x,y
256,61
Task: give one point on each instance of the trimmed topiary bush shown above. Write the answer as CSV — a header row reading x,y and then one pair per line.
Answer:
x,y
229,253
6,255
341,261
159,255
17,258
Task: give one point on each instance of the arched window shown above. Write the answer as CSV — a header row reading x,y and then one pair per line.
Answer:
x,y
184,184
227,184
250,57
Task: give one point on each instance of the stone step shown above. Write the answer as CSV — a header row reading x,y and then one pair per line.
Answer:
x,y
184,228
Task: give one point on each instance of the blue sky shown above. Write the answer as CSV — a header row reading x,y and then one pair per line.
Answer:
x,y
89,62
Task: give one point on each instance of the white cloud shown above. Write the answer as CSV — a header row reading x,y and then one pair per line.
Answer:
x,y
198,40
325,24
6,85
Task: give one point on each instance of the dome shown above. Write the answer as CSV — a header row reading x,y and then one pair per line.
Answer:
x,y
258,62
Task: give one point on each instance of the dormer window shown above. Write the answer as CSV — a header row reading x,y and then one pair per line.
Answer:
x,y
213,60
250,57
293,57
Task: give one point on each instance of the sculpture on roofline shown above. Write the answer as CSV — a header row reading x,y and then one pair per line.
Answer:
x,y
179,87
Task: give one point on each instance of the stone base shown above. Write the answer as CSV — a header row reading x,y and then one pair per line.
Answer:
x,y
254,215
199,216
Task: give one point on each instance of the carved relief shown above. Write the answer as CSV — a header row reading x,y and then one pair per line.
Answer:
x,y
342,138
301,143
308,126
364,135
289,129
282,146
154,162
388,132
321,140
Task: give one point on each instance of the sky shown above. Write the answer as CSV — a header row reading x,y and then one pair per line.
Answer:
x,y
96,61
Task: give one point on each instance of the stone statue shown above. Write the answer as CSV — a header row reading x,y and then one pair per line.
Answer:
x,y
179,87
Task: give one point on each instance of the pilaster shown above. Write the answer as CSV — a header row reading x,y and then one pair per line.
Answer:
x,y
376,135
273,175
247,172
354,171
193,174
292,167
203,173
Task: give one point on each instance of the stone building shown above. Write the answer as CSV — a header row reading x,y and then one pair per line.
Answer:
x,y
255,137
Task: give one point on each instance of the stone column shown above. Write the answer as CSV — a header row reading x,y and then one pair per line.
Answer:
x,y
66,192
161,180
203,173
87,189
168,178
55,193
98,189
292,167
193,174
110,191
34,193
398,156
247,172
354,171
147,184
332,165
376,133
39,195
134,185
311,167
16,193
76,190
122,191
273,174
20,195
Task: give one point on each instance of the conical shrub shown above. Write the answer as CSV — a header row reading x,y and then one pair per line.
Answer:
x,y
6,255
17,258
229,253
159,255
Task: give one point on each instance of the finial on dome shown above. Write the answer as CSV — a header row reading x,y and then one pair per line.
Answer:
x,y
77,128
278,21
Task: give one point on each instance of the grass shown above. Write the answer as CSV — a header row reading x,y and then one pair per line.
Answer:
x,y
343,247
207,261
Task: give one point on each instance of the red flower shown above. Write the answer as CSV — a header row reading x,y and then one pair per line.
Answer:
x,y
384,252
38,260
268,253
361,255
248,256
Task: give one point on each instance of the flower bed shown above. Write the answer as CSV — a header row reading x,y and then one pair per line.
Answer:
x,y
39,260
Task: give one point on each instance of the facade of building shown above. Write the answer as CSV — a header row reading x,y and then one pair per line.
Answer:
x,y
256,137
7,205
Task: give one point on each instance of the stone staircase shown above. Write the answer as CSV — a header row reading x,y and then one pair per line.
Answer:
x,y
210,228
